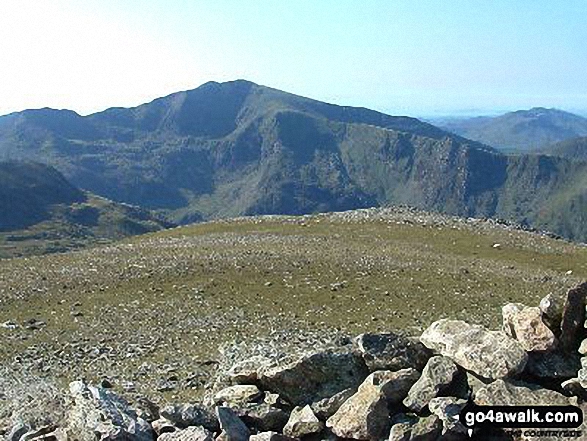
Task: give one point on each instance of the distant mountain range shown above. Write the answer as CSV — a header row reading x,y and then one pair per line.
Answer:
x,y
523,130
41,211
237,148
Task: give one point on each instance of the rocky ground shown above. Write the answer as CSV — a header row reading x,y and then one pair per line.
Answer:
x,y
371,387
161,314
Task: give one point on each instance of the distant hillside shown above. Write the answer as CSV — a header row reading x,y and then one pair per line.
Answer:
x,y
40,211
523,130
575,149
237,148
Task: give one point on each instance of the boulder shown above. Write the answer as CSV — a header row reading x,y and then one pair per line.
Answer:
x,y
525,325
391,351
489,354
98,412
246,371
447,409
437,378
239,394
233,429
426,429
315,376
302,422
394,385
573,318
262,416
184,415
509,393
192,433
364,416
327,407
583,347
163,425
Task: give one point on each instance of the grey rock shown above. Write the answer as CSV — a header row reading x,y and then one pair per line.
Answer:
x,y
239,394
302,422
489,354
365,415
426,429
270,436
315,376
508,393
394,385
246,371
573,318
184,415
447,409
100,412
262,416
525,325
233,429
437,377
391,351
474,383
327,407
192,433
583,347
163,425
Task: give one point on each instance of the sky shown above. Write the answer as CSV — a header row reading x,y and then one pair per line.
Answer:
x,y
412,57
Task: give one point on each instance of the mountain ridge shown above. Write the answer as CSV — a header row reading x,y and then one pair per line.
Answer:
x,y
237,148
521,130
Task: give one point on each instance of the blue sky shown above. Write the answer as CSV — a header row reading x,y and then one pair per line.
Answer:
x,y
415,57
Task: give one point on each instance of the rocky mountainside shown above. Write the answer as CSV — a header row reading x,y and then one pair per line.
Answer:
x,y
238,148
371,387
41,211
521,131
575,149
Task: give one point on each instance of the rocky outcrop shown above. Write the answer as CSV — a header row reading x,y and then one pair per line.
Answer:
x,y
383,386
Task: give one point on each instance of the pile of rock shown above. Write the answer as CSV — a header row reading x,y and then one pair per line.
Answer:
x,y
379,386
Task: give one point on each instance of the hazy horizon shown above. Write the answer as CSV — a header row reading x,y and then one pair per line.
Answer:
x,y
418,58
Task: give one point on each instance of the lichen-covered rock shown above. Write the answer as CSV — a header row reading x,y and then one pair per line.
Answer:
x,y
391,351
327,407
448,410
192,433
393,385
525,324
238,394
100,412
314,377
508,393
302,422
489,354
401,427
437,377
364,416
